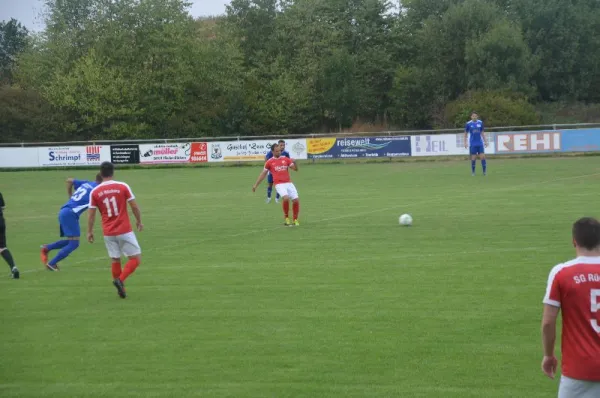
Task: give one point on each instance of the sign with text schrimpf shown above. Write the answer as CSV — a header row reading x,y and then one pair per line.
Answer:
x,y
529,142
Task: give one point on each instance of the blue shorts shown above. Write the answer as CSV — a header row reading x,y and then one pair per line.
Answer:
x,y
69,223
270,178
476,149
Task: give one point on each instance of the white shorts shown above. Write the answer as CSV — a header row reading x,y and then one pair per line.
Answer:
x,y
287,189
572,388
122,245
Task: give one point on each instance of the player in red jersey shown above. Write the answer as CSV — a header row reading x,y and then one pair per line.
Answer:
x,y
111,198
279,167
574,288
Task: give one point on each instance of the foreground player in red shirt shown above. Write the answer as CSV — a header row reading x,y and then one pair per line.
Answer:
x,y
279,167
574,288
111,198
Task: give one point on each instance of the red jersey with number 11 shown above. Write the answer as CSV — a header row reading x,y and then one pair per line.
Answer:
x,y
279,169
575,287
110,198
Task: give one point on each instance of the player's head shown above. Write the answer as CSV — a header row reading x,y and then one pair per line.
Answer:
x,y
107,170
282,145
276,149
99,178
474,116
586,235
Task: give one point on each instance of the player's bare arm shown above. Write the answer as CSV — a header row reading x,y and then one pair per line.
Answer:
x,y
91,221
466,139
260,179
485,141
135,209
549,362
70,182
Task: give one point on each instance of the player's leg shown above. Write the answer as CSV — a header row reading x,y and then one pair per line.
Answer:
x,y
473,152
59,244
269,187
69,224
5,253
293,195
129,247
114,252
483,161
282,191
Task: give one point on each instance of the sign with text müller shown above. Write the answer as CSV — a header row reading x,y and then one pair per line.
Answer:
x,y
125,154
529,142
165,153
358,147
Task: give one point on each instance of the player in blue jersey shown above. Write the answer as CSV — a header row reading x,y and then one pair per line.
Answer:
x,y
68,219
269,155
476,141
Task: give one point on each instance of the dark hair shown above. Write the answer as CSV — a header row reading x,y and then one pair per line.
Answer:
x,y
281,142
274,146
586,233
98,178
474,113
107,169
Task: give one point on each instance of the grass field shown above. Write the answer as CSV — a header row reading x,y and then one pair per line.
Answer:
x,y
229,303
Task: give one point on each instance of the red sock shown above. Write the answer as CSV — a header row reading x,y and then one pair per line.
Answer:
x,y
286,208
131,265
116,270
296,208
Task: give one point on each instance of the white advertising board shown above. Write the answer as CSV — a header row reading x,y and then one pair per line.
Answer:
x,y
62,156
444,145
232,151
165,153
19,157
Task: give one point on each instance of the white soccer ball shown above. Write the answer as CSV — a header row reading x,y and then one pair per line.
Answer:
x,y
406,220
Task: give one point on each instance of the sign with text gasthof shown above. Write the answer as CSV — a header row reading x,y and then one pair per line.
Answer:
x,y
256,150
529,142
444,145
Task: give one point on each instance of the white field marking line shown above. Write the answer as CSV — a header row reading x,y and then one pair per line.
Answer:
x,y
251,232
327,262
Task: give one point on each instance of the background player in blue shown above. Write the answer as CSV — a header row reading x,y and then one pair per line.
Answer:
x,y
269,176
68,219
476,141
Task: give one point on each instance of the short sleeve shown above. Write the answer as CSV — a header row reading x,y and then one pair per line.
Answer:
x,y
93,201
2,204
267,165
482,126
129,196
466,127
553,288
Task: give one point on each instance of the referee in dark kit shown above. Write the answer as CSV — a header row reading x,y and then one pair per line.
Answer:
x,y
3,250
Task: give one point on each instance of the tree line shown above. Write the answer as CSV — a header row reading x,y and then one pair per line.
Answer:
x,y
122,69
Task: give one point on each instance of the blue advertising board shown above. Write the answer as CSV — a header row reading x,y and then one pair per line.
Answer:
x,y
581,140
358,147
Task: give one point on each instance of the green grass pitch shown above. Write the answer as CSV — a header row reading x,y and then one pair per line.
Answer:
x,y
230,303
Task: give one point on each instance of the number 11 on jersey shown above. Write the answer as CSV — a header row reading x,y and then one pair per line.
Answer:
x,y
111,210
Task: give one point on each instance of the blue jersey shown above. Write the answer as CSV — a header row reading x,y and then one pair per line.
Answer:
x,y
270,155
80,200
475,131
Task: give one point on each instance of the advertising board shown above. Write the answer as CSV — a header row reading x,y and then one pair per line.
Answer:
x,y
240,151
358,147
165,153
528,142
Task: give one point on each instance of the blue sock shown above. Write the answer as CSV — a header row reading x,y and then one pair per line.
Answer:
x,y
473,166
65,251
269,191
277,196
484,165
57,245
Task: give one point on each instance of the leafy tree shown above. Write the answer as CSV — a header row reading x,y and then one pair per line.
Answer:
x,y
13,40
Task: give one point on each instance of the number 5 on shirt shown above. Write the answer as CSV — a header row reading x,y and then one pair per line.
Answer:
x,y
595,303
